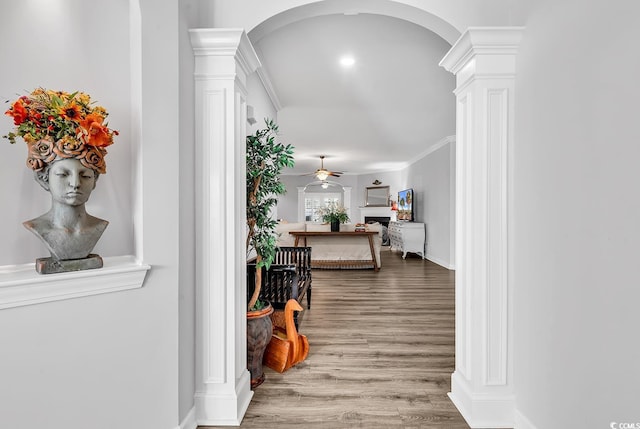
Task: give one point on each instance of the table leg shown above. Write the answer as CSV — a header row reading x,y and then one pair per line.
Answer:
x,y
373,253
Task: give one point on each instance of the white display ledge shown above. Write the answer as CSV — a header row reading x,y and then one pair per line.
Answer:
x,y
22,285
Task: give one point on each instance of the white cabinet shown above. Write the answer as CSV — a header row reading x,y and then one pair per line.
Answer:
x,y
407,237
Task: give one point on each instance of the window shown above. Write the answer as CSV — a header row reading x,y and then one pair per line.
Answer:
x,y
313,201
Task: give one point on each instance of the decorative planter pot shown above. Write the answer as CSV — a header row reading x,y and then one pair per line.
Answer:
x,y
259,330
335,226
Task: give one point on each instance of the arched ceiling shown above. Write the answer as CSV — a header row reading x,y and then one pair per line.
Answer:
x,y
381,114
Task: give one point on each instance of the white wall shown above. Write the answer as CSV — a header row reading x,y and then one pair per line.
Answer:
x,y
108,360
434,193
189,16
262,106
577,208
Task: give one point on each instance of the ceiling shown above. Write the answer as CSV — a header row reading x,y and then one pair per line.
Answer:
x,y
381,114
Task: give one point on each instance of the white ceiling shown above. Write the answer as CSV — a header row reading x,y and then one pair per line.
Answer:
x,y
379,115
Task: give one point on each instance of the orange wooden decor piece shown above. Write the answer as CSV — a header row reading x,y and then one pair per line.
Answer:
x,y
286,347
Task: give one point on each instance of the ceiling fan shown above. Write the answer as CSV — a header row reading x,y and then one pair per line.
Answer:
x,y
322,173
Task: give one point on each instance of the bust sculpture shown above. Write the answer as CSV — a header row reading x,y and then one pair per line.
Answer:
x,y
67,230
66,139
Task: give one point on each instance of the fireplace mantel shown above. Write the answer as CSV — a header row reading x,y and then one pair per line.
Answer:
x,y
377,212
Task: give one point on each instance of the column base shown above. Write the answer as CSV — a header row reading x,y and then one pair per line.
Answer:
x,y
482,410
224,407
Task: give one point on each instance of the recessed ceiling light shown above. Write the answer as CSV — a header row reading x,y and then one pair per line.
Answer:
x,y
347,61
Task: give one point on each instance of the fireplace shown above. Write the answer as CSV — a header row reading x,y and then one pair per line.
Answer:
x,y
380,219
384,221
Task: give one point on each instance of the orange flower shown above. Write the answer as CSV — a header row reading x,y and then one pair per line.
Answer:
x,y
98,135
71,112
18,112
90,119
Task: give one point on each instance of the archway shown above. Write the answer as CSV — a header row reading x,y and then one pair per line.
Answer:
x,y
483,62
393,9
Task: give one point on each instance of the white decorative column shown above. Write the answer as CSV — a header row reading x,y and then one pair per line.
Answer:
x,y
223,59
483,60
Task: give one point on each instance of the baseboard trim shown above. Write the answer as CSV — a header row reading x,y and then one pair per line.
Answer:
x,y
522,422
440,262
189,421
482,410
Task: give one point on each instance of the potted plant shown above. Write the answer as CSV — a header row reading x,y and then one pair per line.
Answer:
x,y
265,161
335,214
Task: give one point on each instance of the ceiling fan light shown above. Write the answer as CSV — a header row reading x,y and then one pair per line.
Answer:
x,y
322,175
347,61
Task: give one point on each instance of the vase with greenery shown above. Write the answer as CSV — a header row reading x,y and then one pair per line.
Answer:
x,y
265,159
335,214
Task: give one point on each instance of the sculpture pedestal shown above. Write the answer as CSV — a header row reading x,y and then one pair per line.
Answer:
x,y
51,265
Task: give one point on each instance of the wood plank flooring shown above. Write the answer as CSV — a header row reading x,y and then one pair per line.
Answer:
x,y
381,353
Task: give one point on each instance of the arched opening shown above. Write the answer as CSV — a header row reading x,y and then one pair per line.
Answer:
x,y
483,62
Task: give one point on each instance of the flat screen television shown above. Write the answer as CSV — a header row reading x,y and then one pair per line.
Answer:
x,y
406,203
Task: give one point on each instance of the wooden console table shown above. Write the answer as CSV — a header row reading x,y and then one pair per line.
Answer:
x,y
338,263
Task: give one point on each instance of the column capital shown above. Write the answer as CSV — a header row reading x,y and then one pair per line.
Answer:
x,y
483,51
224,42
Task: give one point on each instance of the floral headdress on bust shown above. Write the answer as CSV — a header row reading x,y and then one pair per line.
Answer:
x,y
59,125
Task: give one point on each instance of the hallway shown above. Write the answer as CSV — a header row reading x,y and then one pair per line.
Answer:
x,y
381,353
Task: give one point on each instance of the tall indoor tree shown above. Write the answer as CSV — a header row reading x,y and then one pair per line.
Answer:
x,y
266,159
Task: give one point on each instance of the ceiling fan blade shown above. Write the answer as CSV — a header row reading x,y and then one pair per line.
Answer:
x,y
322,173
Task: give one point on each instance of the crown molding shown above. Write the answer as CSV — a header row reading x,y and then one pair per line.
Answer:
x,y
263,74
268,86
441,143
